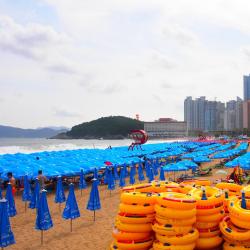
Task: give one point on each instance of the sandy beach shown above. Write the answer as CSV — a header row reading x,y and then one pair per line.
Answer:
x,y
86,234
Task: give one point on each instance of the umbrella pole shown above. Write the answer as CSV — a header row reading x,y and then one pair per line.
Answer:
x,y
110,193
25,206
81,191
60,207
41,237
70,225
94,215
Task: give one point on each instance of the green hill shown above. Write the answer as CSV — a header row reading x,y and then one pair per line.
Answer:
x,y
112,127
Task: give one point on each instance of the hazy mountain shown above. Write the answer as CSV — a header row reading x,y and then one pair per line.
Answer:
x,y
13,132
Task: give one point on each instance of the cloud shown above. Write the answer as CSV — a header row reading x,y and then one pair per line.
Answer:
x,y
62,68
179,34
158,99
65,113
160,60
31,41
166,85
112,88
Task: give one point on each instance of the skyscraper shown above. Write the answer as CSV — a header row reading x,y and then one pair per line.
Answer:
x,y
246,80
239,113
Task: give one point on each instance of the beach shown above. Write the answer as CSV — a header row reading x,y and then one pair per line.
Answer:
x,y
86,234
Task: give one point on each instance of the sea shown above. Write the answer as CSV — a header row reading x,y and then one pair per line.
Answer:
x,y
30,145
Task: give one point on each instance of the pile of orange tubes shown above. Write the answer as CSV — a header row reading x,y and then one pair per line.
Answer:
x,y
174,222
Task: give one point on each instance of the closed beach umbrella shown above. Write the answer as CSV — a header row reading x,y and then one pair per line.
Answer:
x,y
131,176
11,208
96,176
60,196
150,174
43,218
71,210
82,182
6,235
94,199
140,173
116,173
26,196
1,193
111,180
122,182
162,175
35,195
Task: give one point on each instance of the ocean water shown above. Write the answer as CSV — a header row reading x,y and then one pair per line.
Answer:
x,y
27,145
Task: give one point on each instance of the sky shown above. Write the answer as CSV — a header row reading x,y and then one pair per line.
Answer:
x,y
67,62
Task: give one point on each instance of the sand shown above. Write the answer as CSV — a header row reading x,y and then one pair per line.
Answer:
x,y
86,234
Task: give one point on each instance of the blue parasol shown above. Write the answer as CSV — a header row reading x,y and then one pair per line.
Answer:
x,y
111,180
96,176
60,196
94,199
122,182
162,175
116,173
6,235
150,174
1,193
201,159
140,173
35,195
131,176
11,208
71,210
106,176
82,182
43,218
26,196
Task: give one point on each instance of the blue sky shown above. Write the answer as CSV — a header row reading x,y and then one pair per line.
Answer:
x,y
65,62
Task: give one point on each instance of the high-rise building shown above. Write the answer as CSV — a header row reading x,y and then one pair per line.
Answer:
x,y
230,116
201,114
246,115
239,113
246,82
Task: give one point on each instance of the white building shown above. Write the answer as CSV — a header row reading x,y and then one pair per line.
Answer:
x,y
171,129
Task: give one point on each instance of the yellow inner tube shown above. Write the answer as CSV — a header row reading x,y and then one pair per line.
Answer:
x,y
231,187
211,218
209,243
160,246
175,222
134,245
135,218
206,225
174,213
231,246
210,209
136,209
237,211
214,196
121,235
176,201
210,232
132,198
240,223
143,188
133,228
188,238
164,186
169,230
230,231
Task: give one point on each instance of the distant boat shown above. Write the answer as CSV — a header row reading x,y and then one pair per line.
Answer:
x,y
100,138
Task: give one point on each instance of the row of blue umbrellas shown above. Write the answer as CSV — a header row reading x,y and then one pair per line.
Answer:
x,y
43,219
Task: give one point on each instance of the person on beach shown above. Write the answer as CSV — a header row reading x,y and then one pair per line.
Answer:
x,y
12,181
42,179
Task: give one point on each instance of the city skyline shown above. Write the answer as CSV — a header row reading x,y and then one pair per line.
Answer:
x,y
68,62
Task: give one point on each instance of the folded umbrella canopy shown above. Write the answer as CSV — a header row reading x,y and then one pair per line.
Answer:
x,y
111,180
43,218
94,199
6,235
162,175
60,196
201,159
140,173
26,196
122,182
35,195
71,210
132,176
11,208
82,182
